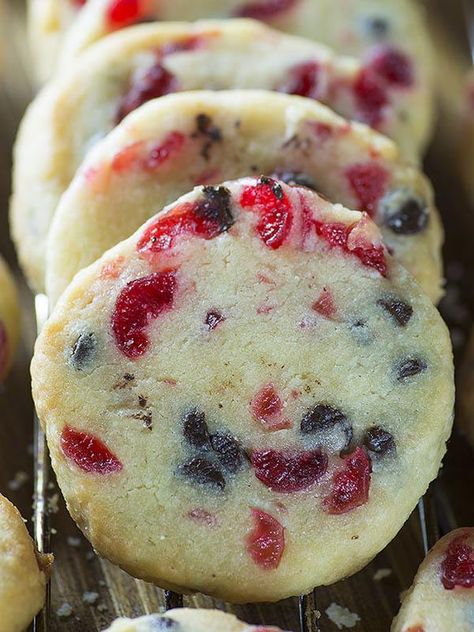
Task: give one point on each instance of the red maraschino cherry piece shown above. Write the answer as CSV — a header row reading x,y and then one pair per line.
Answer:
x,y
289,472
457,567
266,543
350,484
88,452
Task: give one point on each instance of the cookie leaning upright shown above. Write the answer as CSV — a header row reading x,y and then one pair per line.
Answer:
x,y
23,572
389,35
153,60
442,595
9,319
171,144
188,620
250,368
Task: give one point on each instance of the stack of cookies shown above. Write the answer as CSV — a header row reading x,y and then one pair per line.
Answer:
x,y
244,374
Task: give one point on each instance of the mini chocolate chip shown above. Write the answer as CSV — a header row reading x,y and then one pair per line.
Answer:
x,y
216,207
142,401
203,472
163,624
84,351
404,212
410,366
296,178
324,417
400,312
228,451
205,126
376,26
379,441
213,318
195,429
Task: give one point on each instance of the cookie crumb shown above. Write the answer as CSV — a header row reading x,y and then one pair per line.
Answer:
x,y
18,481
381,573
342,617
64,611
90,597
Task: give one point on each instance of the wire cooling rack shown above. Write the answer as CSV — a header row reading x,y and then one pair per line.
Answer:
x,y
434,517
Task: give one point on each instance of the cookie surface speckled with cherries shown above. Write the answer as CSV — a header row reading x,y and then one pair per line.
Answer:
x,y
441,598
138,64
188,620
171,144
23,572
245,387
390,36
9,319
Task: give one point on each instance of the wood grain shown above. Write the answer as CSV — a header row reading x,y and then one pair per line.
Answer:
x,y
78,569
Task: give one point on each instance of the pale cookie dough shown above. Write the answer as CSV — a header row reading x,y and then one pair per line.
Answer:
x,y
188,620
249,387
171,144
390,35
141,63
23,572
9,319
441,598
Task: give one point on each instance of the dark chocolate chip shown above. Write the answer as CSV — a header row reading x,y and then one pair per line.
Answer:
x,y
203,472
159,623
296,178
400,312
379,441
376,26
206,127
228,450
409,367
195,429
404,213
216,207
213,318
84,351
324,417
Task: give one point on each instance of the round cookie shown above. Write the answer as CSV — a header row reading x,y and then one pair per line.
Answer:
x,y
390,32
442,595
23,571
188,620
171,144
9,319
135,65
252,383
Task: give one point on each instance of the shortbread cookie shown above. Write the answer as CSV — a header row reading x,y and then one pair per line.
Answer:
x,y
23,572
255,390
188,620
173,143
9,319
391,34
442,596
154,60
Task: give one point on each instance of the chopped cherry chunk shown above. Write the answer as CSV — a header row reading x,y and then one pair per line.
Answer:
x,y
371,97
266,543
88,452
394,66
3,350
457,567
207,219
265,9
140,302
268,199
157,82
325,305
267,406
303,80
368,181
136,156
121,13
289,472
350,485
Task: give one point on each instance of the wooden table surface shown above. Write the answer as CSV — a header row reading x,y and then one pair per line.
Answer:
x,y
78,570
